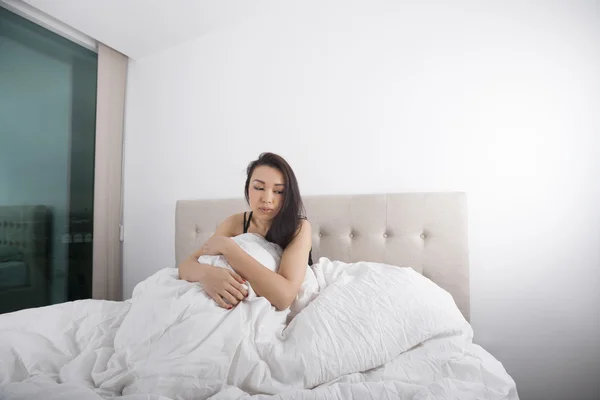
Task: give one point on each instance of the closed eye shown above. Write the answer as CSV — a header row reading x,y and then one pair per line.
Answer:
x,y
276,191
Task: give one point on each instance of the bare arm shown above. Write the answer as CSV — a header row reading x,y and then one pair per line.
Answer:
x,y
280,288
223,285
190,269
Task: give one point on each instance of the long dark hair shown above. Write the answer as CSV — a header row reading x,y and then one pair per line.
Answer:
x,y
288,219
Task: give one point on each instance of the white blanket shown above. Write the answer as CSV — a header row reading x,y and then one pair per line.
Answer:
x,y
356,331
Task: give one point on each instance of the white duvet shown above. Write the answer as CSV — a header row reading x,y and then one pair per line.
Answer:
x,y
356,331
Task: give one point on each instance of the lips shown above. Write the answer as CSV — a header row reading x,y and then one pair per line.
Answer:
x,y
265,210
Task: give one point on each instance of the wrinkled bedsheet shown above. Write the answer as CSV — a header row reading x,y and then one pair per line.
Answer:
x,y
356,331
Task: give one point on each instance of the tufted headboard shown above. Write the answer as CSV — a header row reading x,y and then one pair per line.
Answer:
x,y
424,231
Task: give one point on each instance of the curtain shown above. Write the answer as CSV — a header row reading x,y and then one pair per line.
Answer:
x,y
110,110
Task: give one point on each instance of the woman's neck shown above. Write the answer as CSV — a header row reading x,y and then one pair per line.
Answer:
x,y
261,226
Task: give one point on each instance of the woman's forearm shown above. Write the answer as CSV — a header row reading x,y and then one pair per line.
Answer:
x,y
191,270
266,283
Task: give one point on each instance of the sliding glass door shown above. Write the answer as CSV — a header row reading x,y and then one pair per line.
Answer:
x,y
47,137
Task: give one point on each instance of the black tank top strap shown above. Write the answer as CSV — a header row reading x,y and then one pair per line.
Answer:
x,y
247,223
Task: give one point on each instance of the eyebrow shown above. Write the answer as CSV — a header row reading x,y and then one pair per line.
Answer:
x,y
277,184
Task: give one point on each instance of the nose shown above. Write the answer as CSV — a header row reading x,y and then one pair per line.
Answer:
x,y
267,196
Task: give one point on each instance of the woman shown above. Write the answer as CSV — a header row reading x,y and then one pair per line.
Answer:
x,y
276,214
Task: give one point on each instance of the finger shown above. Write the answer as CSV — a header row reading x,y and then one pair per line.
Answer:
x,y
240,288
236,292
229,297
220,301
237,277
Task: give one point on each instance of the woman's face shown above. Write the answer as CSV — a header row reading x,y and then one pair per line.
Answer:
x,y
266,191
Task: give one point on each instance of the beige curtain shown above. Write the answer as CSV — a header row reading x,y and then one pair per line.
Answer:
x,y
112,80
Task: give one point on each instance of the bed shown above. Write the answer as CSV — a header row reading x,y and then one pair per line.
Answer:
x,y
24,256
383,313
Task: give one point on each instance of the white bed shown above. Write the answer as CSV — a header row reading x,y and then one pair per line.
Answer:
x,y
383,313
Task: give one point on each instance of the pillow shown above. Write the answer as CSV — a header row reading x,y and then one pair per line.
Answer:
x,y
8,253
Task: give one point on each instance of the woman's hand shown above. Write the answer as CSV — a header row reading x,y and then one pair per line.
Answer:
x,y
223,285
215,246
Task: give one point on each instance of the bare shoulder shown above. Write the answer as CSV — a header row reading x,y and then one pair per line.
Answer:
x,y
304,232
297,252
231,226
305,226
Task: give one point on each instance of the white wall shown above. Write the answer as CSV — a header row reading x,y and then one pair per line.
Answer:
x,y
501,102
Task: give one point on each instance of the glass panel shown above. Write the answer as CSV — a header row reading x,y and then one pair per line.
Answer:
x,y
47,136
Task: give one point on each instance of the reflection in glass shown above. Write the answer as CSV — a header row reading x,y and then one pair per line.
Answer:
x,y
47,137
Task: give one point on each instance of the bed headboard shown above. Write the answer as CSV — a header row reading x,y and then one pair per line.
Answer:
x,y
424,231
